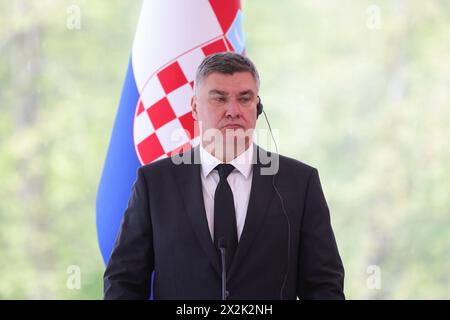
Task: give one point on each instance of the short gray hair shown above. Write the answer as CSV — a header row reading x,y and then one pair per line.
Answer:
x,y
225,63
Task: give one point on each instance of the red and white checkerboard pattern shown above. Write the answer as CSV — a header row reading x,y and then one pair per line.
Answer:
x,y
163,123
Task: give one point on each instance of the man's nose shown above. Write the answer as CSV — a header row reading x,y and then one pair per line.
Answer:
x,y
233,109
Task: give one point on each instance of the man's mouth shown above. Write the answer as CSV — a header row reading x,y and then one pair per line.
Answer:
x,y
232,126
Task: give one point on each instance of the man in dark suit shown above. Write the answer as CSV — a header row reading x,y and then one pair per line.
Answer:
x,y
261,215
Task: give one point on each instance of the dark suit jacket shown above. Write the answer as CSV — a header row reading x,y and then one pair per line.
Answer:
x,y
165,230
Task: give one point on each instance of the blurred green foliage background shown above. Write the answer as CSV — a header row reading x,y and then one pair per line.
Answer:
x,y
358,89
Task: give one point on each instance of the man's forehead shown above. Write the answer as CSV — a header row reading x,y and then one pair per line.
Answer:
x,y
242,76
222,83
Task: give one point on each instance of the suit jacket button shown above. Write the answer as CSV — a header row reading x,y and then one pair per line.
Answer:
x,y
227,294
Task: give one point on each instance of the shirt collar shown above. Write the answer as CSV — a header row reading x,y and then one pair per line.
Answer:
x,y
243,162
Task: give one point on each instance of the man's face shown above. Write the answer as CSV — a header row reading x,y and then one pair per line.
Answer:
x,y
226,102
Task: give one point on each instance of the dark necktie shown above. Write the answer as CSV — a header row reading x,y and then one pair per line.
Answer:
x,y
224,214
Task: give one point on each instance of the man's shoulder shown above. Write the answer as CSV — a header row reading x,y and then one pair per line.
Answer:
x,y
165,165
288,164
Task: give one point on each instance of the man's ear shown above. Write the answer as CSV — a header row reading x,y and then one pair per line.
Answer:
x,y
194,107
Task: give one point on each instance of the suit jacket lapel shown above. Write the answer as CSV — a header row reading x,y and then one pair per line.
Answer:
x,y
189,182
261,195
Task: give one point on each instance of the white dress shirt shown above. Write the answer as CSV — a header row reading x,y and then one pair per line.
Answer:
x,y
240,181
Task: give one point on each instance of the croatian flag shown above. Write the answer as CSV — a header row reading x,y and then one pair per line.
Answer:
x,y
171,40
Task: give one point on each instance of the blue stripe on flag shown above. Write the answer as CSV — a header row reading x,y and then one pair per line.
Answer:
x,y
119,171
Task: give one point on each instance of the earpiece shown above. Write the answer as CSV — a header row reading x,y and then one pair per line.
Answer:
x,y
259,108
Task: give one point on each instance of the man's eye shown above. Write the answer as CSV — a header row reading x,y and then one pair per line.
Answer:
x,y
244,100
220,99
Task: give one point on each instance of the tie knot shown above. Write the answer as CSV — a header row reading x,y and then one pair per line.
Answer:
x,y
224,170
